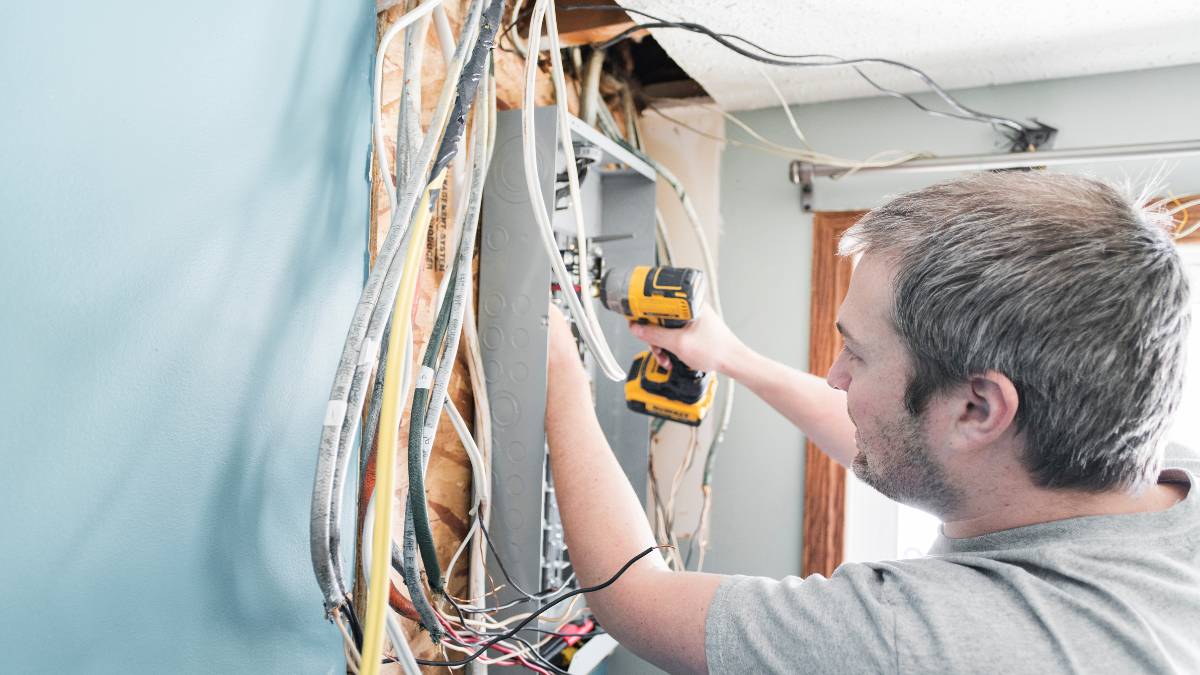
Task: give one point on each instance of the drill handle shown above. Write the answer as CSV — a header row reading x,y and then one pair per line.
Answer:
x,y
681,369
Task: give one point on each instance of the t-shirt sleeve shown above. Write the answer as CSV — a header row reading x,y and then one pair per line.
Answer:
x,y
841,624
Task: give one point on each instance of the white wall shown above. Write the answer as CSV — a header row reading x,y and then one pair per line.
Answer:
x,y
766,253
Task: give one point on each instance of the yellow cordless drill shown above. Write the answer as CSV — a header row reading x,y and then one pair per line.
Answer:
x,y
670,297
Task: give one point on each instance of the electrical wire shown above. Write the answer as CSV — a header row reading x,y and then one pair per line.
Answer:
x,y
403,650
353,657
513,37
360,351
348,393
408,119
449,324
477,571
589,86
665,254
576,200
1183,207
804,60
418,460
592,335
422,10
418,533
529,619
880,159
479,481
420,433
458,306
525,647
377,602
1182,230
543,665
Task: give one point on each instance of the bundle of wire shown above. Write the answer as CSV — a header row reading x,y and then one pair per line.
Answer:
x,y
1012,129
382,327
388,296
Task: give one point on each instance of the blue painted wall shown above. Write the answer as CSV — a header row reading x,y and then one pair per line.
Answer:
x,y
183,211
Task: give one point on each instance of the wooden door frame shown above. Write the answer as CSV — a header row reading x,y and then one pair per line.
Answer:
x,y
824,543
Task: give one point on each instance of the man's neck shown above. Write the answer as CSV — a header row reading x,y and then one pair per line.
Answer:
x,y
1020,505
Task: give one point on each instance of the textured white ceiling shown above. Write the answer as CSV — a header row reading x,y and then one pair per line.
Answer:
x,y
960,43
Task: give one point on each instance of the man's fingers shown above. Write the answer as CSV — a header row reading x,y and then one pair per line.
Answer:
x,y
655,335
661,357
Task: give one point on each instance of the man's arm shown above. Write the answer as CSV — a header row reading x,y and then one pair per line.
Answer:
x,y
657,613
807,400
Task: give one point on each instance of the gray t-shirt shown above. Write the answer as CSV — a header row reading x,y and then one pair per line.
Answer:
x,y
1099,594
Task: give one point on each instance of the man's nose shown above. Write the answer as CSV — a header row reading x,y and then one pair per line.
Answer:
x,y
838,377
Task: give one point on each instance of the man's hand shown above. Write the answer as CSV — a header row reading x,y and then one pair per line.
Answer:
x,y
705,344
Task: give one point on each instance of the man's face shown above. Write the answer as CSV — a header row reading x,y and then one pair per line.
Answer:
x,y
895,453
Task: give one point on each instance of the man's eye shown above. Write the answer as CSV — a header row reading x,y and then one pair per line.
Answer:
x,y
850,354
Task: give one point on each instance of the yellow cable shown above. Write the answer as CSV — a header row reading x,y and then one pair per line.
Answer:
x,y
385,462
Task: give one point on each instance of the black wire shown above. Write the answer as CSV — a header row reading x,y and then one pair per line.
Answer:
x,y
776,58
500,561
538,655
459,609
355,627
542,610
516,20
504,605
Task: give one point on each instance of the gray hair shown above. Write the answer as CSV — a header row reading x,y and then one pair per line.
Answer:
x,y
1066,285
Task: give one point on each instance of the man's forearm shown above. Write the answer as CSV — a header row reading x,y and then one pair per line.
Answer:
x,y
807,400
658,613
604,523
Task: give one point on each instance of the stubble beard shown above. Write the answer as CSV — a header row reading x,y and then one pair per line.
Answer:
x,y
901,468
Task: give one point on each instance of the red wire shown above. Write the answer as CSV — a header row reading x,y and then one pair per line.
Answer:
x,y
502,650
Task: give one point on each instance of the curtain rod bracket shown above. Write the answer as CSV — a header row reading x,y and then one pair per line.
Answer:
x,y
801,173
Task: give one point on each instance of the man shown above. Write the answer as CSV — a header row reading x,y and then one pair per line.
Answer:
x,y
1014,354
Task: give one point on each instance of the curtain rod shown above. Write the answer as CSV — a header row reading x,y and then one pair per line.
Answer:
x,y
802,173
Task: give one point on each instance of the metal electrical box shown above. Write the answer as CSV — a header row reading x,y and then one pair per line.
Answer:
x,y
514,293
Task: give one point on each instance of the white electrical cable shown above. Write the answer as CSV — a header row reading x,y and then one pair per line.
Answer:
x,y
564,132
480,486
787,110
377,102
664,241
512,34
441,23
1182,207
589,329
883,158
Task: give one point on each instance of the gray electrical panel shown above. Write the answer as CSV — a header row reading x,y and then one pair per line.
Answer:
x,y
514,293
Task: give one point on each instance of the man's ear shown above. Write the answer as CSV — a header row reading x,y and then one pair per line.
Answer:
x,y
988,407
